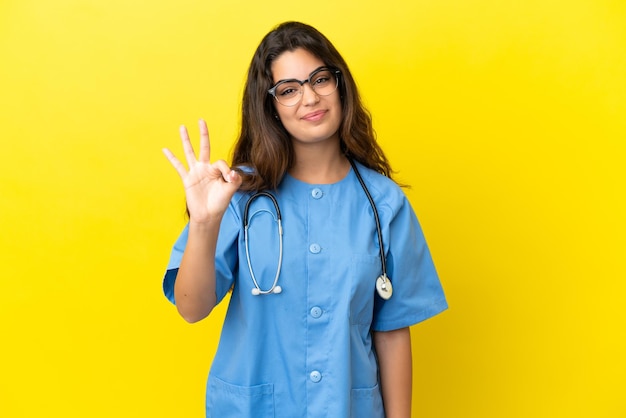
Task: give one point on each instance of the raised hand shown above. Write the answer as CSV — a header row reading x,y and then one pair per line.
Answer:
x,y
208,187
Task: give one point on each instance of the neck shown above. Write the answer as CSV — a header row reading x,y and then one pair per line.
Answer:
x,y
319,165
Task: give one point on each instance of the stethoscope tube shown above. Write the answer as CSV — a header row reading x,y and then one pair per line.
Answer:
x,y
379,231
383,283
256,290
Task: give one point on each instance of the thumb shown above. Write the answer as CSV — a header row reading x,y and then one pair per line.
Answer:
x,y
234,178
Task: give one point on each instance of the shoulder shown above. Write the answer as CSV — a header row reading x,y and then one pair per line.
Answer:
x,y
385,192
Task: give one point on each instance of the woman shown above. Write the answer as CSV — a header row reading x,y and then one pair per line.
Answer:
x,y
306,333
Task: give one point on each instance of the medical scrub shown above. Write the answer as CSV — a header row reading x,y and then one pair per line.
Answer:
x,y
308,351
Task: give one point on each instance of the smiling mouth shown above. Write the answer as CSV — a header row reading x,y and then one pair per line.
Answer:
x,y
314,116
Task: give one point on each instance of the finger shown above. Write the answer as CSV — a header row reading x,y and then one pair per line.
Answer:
x,y
190,155
235,178
205,144
178,166
228,175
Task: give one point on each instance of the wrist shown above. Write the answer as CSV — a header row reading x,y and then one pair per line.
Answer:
x,y
205,226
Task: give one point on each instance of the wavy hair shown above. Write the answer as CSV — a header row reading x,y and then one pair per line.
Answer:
x,y
263,144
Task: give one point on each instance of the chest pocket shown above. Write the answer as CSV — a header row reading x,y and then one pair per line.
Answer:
x,y
225,400
364,269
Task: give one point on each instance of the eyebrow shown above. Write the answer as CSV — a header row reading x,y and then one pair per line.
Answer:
x,y
295,79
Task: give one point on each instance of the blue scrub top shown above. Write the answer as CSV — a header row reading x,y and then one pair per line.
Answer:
x,y
308,351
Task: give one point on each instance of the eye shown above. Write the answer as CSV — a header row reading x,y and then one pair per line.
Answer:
x,y
323,77
288,90
321,80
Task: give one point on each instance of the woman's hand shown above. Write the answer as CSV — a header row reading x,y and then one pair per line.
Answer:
x,y
208,187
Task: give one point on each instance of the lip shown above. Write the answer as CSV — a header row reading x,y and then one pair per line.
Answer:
x,y
314,116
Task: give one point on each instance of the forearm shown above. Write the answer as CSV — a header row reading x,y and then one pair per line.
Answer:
x,y
194,289
393,349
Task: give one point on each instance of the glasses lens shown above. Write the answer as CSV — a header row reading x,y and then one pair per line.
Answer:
x,y
288,93
324,82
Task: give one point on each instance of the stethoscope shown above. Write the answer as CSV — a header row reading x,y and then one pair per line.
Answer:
x,y
256,290
383,282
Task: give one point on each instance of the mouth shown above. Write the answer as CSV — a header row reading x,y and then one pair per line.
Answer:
x,y
314,116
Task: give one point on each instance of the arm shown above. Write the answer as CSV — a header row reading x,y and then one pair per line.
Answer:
x,y
393,349
208,190
194,289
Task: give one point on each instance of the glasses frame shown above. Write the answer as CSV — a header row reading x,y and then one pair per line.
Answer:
x,y
333,70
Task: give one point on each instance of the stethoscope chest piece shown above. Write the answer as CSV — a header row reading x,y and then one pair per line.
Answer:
x,y
383,287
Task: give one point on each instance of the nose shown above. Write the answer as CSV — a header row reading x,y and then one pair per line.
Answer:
x,y
309,96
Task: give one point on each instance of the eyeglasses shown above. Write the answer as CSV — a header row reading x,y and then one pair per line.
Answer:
x,y
323,81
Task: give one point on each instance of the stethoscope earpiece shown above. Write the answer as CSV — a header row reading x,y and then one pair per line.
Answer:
x,y
257,291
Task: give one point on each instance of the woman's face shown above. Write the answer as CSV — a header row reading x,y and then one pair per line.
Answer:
x,y
315,118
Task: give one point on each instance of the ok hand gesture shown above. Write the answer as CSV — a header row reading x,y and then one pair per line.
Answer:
x,y
208,187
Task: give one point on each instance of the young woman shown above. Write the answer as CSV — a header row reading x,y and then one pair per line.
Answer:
x,y
325,258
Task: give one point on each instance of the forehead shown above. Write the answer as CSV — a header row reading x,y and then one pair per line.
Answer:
x,y
298,64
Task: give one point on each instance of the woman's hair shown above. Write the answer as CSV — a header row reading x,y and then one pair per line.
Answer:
x,y
264,146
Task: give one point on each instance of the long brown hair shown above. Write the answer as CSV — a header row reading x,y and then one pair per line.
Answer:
x,y
264,146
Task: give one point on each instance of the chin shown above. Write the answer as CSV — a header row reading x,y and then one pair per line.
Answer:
x,y
314,139
315,136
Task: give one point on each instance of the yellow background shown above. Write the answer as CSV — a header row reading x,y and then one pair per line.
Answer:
x,y
508,118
